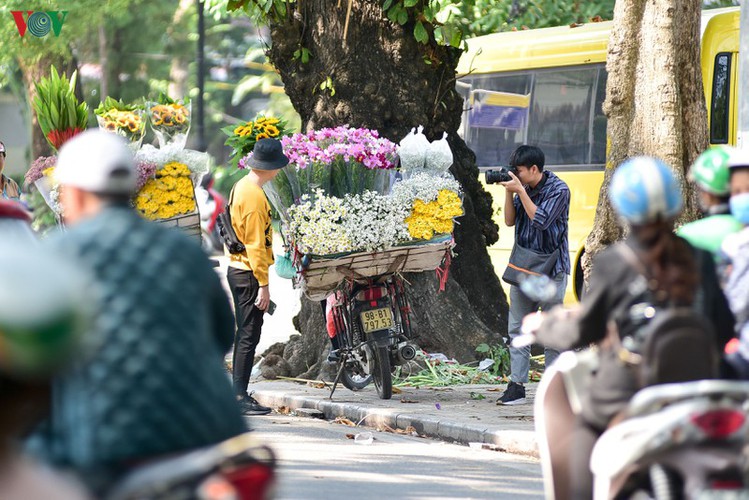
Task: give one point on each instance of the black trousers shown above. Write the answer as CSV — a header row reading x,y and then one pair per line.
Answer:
x,y
244,289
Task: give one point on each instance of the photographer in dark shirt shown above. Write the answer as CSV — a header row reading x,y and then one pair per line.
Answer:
x,y
537,203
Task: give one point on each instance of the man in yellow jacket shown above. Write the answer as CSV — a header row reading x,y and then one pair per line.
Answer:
x,y
248,271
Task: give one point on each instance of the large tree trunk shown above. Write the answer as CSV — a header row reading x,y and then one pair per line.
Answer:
x,y
654,98
384,79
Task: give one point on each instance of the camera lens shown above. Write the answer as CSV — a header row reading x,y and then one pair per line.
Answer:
x,y
499,175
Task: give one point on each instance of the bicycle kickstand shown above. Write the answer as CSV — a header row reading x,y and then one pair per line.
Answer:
x,y
337,378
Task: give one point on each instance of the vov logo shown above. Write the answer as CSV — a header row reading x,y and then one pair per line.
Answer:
x,y
39,23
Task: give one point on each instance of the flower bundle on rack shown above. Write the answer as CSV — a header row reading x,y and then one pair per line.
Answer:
x,y
337,161
242,137
123,119
57,109
170,119
419,208
167,195
434,202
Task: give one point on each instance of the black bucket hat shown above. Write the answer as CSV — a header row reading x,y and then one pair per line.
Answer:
x,y
268,155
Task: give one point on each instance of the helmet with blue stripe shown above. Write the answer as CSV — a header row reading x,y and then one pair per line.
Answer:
x,y
644,189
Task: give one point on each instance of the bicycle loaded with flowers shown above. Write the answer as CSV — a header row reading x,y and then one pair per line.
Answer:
x,y
353,222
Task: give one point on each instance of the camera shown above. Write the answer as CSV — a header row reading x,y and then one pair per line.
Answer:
x,y
502,174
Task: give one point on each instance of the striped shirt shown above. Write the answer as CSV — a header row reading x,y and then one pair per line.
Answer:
x,y
548,230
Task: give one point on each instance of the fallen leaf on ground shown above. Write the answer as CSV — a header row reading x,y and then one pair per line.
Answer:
x,y
495,389
344,421
396,390
284,410
477,395
408,401
317,385
350,436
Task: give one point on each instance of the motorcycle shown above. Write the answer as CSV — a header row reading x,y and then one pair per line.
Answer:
x,y
682,440
210,204
236,469
371,318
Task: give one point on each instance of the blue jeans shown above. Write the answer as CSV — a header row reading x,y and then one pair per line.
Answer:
x,y
521,306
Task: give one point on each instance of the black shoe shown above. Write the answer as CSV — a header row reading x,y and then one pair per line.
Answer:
x,y
333,356
250,406
513,395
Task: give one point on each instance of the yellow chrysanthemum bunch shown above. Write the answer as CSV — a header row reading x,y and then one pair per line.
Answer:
x,y
169,194
434,217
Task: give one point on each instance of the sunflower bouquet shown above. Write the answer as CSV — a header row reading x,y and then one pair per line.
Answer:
x,y
170,120
242,137
123,119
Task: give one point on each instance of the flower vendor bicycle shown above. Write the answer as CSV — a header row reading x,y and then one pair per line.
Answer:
x,y
372,321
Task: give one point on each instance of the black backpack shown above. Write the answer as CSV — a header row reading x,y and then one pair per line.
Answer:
x,y
226,230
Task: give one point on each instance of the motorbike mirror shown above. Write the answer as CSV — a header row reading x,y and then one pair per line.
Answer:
x,y
539,288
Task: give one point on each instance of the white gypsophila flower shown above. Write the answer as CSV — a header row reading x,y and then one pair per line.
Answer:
x,y
315,225
423,186
375,222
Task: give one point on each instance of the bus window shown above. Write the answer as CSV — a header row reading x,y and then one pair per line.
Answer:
x,y
497,116
719,112
560,110
560,117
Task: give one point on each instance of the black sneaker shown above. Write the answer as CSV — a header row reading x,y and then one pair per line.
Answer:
x,y
513,395
333,356
250,406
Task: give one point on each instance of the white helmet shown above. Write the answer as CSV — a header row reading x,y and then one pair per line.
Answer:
x,y
97,161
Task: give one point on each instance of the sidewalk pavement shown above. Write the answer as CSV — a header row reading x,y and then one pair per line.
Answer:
x,y
446,413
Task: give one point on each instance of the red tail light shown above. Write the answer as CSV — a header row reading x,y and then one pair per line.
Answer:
x,y
719,424
726,484
252,482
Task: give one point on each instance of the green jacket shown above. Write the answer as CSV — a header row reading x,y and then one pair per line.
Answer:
x,y
708,233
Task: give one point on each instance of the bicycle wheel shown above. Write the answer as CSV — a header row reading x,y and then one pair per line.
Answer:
x,y
383,379
353,378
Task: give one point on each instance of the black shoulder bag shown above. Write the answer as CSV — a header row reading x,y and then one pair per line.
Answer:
x,y
226,230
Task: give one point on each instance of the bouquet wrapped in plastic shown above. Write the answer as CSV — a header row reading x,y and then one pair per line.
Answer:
x,y
122,119
170,120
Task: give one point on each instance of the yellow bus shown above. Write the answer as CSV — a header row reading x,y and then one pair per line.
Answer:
x,y
546,87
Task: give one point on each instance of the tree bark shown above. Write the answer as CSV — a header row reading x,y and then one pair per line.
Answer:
x,y
655,103
385,80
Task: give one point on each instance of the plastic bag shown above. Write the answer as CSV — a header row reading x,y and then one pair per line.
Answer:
x,y
412,150
439,156
284,266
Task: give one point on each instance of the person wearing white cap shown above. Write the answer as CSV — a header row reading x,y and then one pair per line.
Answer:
x,y
156,384
8,187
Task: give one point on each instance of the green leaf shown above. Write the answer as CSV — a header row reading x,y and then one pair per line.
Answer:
x,y
420,33
456,38
402,17
410,3
305,55
482,348
393,13
387,4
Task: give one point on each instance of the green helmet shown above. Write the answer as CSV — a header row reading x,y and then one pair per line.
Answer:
x,y
710,170
44,309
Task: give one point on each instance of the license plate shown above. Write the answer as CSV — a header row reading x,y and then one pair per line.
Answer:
x,y
376,319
